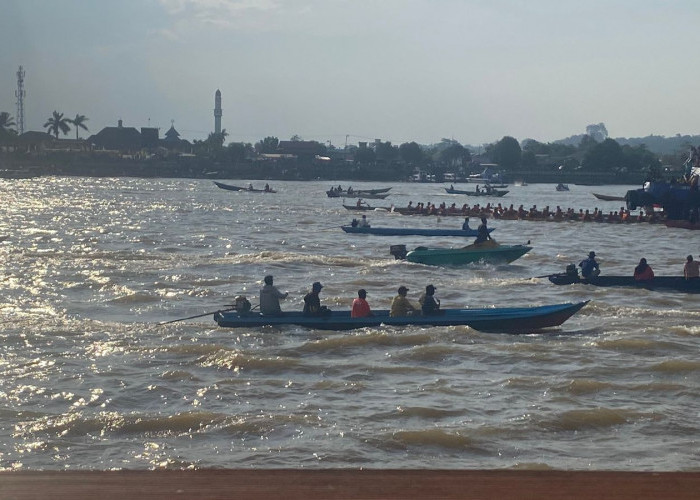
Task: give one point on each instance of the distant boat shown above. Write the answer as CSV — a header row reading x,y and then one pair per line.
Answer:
x,y
378,193
668,283
357,194
606,197
229,187
562,187
482,192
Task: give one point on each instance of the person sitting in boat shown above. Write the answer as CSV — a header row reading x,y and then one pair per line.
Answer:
x,y
401,306
482,232
250,186
267,188
360,306
429,304
451,187
643,271
359,202
270,298
477,189
465,225
312,302
349,191
691,269
589,266
364,222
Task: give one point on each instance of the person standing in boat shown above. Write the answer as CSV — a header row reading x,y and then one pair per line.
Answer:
x,y
364,222
589,267
401,306
429,304
312,302
643,271
691,269
360,306
482,232
270,298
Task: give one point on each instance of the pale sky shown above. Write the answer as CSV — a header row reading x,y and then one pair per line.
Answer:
x,y
396,70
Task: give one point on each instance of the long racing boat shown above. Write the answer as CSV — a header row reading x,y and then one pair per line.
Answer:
x,y
667,283
407,231
505,320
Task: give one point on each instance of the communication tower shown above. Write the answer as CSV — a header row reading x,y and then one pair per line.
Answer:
x,y
19,94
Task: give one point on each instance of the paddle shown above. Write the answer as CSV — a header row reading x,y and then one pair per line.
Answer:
x,y
195,316
230,308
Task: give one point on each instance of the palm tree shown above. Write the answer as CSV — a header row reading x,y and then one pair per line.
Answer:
x,y
79,122
6,122
57,123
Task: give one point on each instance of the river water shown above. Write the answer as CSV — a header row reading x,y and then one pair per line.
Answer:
x,y
90,380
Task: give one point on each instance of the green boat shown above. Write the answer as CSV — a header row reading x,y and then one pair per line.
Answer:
x,y
460,256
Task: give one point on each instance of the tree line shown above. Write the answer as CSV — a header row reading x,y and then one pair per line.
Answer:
x,y
595,152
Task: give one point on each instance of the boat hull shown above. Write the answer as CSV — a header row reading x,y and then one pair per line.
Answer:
x,y
506,320
606,197
462,256
682,224
401,231
665,283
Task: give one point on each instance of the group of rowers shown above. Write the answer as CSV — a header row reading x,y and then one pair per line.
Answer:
x,y
270,297
533,213
642,272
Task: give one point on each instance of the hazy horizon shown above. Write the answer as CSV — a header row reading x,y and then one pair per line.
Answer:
x,y
397,70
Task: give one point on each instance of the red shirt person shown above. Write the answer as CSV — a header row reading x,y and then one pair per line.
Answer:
x,y
360,307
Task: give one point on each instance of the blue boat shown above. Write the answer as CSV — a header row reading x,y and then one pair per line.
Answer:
x,y
405,231
501,320
665,283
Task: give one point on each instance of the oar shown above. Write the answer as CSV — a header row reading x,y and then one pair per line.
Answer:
x,y
195,316
230,308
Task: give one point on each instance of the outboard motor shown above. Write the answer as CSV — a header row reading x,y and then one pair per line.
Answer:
x,y
398,251
242,305
571,270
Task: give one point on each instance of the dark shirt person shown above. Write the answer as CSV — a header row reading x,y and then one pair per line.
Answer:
x,y
589,266
465,225
429,304
482,232
691,270
312,302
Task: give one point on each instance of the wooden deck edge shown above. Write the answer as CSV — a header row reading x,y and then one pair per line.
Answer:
x,y
367,484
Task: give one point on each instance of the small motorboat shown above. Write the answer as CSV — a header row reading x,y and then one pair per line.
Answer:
x,y
562,187
485,252
490,319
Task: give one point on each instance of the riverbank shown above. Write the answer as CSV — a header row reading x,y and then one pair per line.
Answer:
x,y
191,167
349,484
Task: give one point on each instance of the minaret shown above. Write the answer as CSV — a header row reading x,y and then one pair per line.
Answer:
x,y
20,94
217,112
